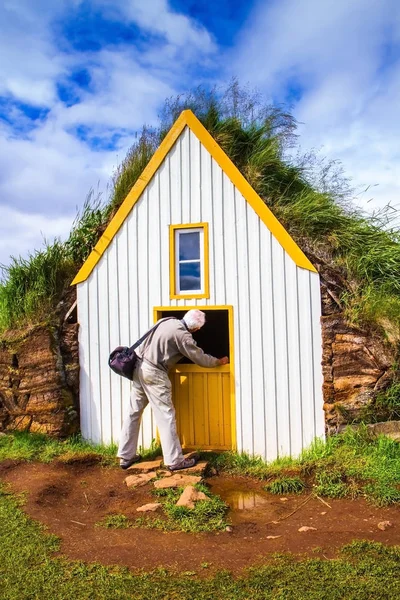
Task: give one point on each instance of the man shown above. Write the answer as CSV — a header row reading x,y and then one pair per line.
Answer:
x,y
162,349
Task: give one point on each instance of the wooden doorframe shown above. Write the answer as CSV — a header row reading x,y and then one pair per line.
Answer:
x,y
157,313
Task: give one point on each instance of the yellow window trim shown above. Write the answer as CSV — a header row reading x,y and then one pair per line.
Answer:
x,y
157,313
172,262
187,118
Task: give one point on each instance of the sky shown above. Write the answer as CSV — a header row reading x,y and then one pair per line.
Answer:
x,y
79,78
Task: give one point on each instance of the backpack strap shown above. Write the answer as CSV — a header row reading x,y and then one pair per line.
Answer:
x,y
136,344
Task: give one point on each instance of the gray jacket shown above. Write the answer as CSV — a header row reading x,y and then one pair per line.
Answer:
x,y
166,345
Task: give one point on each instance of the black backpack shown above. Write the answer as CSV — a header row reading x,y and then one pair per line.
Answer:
x,y
123,360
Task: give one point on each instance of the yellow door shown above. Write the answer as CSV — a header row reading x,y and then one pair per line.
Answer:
x,y
202,399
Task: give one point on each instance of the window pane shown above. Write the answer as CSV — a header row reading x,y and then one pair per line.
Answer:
x,y
189,245
189,276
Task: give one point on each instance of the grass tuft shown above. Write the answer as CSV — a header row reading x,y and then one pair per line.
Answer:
x,y
285,485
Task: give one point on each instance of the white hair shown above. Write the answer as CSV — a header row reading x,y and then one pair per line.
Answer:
x,y
194,319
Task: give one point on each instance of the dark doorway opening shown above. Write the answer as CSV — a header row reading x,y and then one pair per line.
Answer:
x,y
213,337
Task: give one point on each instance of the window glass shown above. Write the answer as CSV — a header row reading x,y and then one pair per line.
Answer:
x,y
189,276
189,246
188,252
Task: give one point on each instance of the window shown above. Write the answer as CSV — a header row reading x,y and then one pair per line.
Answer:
x,y
189,261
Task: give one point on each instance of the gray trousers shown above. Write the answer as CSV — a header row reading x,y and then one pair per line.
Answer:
x,y
151,385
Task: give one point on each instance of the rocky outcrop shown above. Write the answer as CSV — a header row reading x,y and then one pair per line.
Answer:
x,y
356,363
39,380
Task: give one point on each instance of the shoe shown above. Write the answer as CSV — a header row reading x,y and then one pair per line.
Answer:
x,y
185,464
125,464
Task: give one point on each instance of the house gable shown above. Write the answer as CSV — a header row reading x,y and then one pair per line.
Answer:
x,y
188,119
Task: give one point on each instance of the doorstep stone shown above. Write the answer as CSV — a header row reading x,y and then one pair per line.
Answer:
x,y
138,480
189,496
145,467
200,467
177,480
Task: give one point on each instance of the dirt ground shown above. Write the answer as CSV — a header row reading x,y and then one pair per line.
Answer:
x,y
70,498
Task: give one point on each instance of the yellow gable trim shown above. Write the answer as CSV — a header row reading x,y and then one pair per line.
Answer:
x,y
187,118
262,210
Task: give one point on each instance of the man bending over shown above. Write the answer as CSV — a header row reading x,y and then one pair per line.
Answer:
x,y
162,349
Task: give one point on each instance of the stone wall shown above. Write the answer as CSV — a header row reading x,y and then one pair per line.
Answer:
x,y
356,363
39,380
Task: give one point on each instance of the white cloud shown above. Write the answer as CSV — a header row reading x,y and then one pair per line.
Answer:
x,y
22,232
334,53
46,171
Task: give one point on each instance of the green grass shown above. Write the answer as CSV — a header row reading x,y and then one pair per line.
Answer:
x,y
206,516
285,485
347,465
29,570
40,447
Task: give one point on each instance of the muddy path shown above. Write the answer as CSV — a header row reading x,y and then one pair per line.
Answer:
x,y
69,499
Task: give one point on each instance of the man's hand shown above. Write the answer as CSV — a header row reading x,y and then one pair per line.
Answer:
x,y
223,361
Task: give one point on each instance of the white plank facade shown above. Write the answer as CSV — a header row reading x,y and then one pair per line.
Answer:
x,y
276,307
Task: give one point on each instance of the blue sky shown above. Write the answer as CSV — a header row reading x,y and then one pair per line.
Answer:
x,y
79,78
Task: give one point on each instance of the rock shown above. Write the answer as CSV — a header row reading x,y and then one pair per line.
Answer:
x,y
176,480
164,473
383,525
200,467
39,383
273,537
305,528
189,496
323,513
229,529
149,507
283,499
388,428
145,467
138,480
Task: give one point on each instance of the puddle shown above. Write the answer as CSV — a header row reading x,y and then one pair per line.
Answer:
x,y
246,500
239,495
243,500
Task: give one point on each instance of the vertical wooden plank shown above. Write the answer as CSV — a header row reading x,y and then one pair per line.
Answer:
x,y
218,228
215,410
245,350
95,404
319,416
114,339
206,211
195,182
165,221
255,304
85,399
125,308
143,283
281,349
221,431
197,392
268,333
292,318
206,400
153,245
227,415
104,348
306,356
185,175
182,402
232,293
174,160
